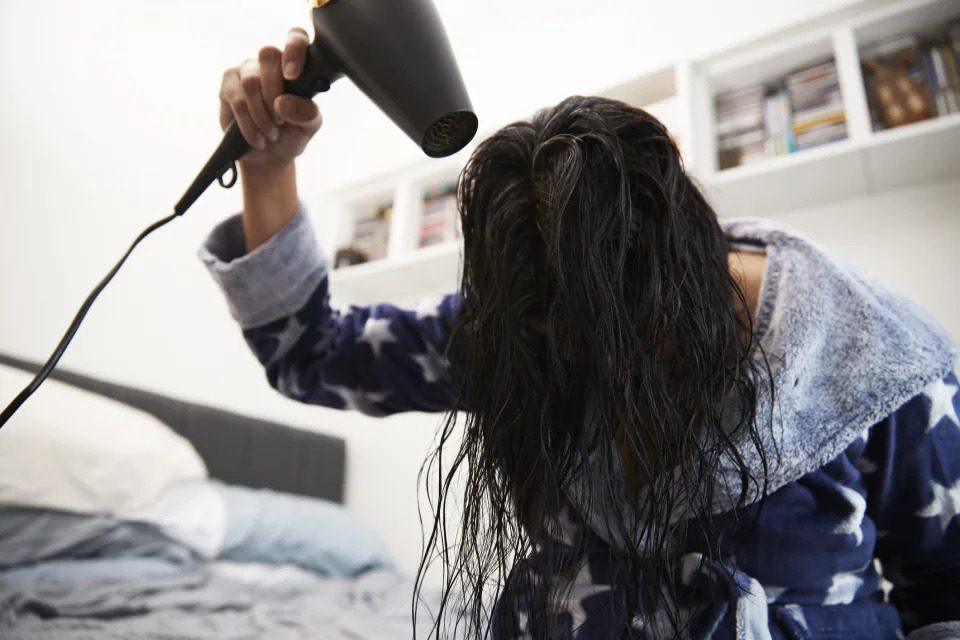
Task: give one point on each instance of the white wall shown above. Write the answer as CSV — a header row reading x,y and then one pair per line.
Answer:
x,y
907,238
109,108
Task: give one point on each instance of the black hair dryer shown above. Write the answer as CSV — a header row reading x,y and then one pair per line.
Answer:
x,y
398,54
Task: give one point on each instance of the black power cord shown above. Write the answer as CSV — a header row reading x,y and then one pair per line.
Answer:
x,y
222,162
72,329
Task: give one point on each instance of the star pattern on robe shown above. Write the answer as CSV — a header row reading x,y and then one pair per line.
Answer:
x,y
326,340
945,504
940,394
357,400
432,364
583,587
427,308
843,589
376,333
292,331
853,523
773,593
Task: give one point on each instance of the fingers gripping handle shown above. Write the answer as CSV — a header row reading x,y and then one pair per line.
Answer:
x,y
317,76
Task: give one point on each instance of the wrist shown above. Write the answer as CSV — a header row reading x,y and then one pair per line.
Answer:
x,y
265,176
270,200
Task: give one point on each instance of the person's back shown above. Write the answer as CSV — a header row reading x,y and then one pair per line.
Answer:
x,y
673,426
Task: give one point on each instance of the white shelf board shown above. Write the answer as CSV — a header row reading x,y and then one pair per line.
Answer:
x,y
913,17
798,180
927,151
923,152
423,272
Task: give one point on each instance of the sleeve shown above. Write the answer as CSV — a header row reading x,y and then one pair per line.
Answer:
x,y
911,467
378,360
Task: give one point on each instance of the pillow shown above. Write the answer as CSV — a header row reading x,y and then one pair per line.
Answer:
x,y
73,450
277,528
192,512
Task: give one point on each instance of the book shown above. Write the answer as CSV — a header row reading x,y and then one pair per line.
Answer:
x,y
932,84
816,71
741,117
741,120
803,110
371,233
743,139
816,118
822,134
440,220
803,98
945,100
739,98
779,124
952,68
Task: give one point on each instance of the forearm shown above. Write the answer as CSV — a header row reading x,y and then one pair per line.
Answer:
x,y
270,201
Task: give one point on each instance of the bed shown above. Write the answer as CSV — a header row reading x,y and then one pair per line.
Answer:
x,y
259,547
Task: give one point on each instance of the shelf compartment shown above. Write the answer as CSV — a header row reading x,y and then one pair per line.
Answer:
x,y
403,280
926,151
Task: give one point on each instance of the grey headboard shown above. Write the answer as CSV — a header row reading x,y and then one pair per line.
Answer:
x,y
238,449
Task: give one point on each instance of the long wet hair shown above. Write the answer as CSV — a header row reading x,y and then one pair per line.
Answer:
x,y
605,368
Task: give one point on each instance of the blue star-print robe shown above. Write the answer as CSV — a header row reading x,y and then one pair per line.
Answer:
x,y
811,569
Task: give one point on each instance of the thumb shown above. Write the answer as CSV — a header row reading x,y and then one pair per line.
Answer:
x,y
299,111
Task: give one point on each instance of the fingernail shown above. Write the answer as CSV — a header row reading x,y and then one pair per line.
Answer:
x,y
273,134
290,71
259,142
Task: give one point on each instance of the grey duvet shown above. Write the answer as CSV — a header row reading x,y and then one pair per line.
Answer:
x,y
220,600
70,578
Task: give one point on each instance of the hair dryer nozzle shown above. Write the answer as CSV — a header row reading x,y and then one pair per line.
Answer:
x,y
449,134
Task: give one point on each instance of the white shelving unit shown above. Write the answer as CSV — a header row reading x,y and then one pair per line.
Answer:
x,y
682,96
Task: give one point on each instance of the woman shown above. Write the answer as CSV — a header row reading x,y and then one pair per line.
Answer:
x,y
675,427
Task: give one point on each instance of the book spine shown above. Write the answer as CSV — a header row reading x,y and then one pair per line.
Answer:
x,y
771,125
945,102
743,139
932,82
953,75
950,65
806,120
820,143
789,144
825,133
742,121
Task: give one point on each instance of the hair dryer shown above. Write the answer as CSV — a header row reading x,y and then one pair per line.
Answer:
x,y
398,54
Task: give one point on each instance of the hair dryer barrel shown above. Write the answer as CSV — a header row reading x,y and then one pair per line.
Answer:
x,y
398,54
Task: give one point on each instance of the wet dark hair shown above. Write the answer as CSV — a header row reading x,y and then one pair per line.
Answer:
x,y
600,341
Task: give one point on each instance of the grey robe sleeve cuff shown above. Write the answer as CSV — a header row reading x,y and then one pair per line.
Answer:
x,y
274,280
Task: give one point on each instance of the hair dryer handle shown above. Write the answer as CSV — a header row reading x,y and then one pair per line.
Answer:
x,y
317,75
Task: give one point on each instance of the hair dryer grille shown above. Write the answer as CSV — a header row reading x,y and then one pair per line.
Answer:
x,y
450,134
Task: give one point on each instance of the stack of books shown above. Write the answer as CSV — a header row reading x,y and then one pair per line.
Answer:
x,y
741,137
440,221
371,234
778,124
816,105
803,110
